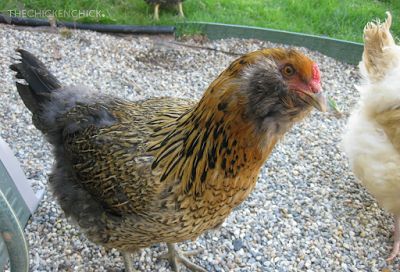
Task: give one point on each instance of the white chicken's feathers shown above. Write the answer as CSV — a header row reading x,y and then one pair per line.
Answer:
x,y
374,160
373,157
380,51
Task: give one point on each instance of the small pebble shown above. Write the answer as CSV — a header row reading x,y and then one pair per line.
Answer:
x,y
237,244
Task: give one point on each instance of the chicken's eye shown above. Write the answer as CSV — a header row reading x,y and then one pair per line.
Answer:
x,y
288,70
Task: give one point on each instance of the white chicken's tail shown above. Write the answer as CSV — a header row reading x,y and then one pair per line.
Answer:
x,y
379,49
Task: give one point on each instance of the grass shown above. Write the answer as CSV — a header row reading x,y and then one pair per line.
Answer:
x,y
341,19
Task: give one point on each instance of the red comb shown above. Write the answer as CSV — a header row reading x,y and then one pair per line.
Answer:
x,y
316,74
316,79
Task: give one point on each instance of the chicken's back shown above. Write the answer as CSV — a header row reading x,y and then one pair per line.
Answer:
x,y
105,179
102,175
164,2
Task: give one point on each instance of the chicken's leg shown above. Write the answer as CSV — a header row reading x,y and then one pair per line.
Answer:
x,y
175,256
156,12
128,262
180,10
396,245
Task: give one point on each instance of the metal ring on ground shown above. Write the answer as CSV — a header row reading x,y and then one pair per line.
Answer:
x,y
13,236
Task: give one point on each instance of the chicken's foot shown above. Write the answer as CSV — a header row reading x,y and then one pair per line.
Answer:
x,y
180,10
396,245
156,12
175,256
128,262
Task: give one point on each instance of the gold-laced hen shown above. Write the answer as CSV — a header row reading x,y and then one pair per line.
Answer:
x,y
133,174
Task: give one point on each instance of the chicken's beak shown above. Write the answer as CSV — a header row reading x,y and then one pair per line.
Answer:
x,y
311,94
318,101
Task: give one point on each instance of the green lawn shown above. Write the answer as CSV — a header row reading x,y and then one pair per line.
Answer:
x,y
342,19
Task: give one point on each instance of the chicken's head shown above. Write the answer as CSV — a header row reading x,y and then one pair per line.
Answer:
x,y
273,85
286,76
302,77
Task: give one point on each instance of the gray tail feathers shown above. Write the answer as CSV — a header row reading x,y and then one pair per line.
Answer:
x,y
40,81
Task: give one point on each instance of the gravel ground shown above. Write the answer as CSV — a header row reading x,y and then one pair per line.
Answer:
x,y
307,212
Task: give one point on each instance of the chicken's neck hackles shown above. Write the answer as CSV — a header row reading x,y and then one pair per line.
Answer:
x,y
231,131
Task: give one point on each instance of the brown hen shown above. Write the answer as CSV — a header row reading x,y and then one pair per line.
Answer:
x,y
133,174
158,3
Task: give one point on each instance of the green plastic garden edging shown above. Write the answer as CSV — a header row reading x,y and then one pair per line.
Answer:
x,y
349,52
345,51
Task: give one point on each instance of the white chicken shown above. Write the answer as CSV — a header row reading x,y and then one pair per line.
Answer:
x,y
372,139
